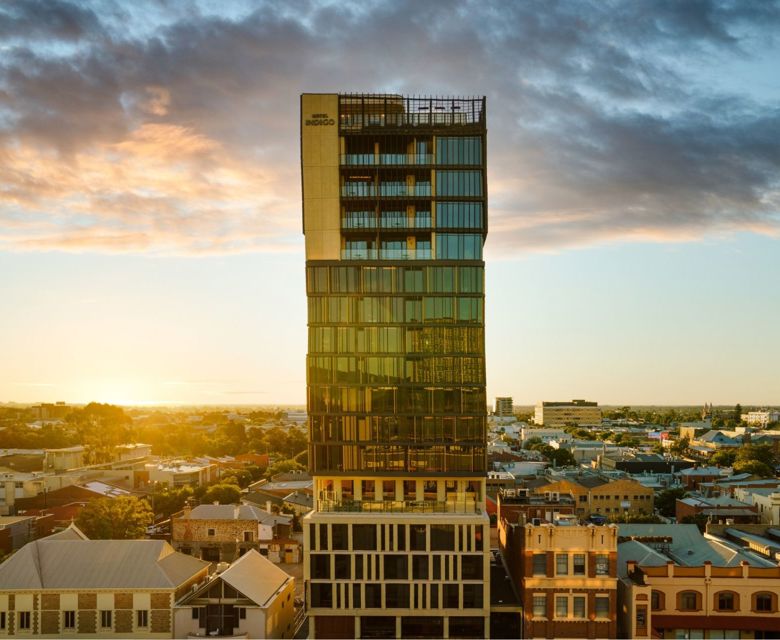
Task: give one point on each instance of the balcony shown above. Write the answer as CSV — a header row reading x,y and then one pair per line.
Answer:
x,y
398,506
386,254
386,190
399,223
386,159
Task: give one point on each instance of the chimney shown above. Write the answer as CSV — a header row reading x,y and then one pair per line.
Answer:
x,y
268,506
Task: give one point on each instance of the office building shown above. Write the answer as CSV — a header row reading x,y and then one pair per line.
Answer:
x,y
503,408
394,215
579,413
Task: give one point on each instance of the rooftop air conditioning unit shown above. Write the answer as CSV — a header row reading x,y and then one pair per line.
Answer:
x,y
523,492
509,493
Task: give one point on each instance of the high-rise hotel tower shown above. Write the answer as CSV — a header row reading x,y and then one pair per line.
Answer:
x,y
395,216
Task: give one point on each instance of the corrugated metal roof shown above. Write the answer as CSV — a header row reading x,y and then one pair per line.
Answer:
x,y
256,577
236,512
97,564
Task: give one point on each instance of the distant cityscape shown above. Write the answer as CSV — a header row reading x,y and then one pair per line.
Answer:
x,y
213,495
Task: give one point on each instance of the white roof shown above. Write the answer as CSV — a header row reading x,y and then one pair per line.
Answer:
x,y
256,577
105,489
97,564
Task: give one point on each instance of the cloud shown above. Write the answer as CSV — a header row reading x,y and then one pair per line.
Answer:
x,y
157,130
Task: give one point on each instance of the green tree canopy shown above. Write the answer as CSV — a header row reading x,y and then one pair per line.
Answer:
x,y
222,493
761,452
666,501
121,518
754,467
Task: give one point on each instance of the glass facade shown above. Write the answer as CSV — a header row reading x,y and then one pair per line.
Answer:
x,y
396,364
395,217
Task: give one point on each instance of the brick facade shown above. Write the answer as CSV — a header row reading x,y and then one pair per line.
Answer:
x,y
123,601
123,621
87,620
87,601
161,621
50,622
50,601
161,601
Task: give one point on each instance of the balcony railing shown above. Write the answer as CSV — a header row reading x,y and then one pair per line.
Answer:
x,y
369,190
386,159
386,254
367,221
399,506
370,222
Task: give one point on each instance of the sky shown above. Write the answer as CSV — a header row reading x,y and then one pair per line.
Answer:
x,y
150,207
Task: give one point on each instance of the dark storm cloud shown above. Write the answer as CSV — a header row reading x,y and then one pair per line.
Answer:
x,y
600,128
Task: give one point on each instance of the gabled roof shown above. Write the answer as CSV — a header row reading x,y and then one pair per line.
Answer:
x,y
253,576
256,577
236,512
301,499
97,564
72,532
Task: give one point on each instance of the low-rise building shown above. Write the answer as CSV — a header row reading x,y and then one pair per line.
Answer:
x,y
761,418
299,501
252,598
567,575
180,473
224,532
765,500
520,505
717,509
598,495
693,477
15,532
66,585
676,583
636,463
546,435
59,460
561,414
132,451
15,487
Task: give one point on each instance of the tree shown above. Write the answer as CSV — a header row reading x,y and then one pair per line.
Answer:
x,y
101,427
222,493
121,518
723,458
700,520
167,501
738,413
666,501
754,468
680,447
761,452
636,518
561,457
532,442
